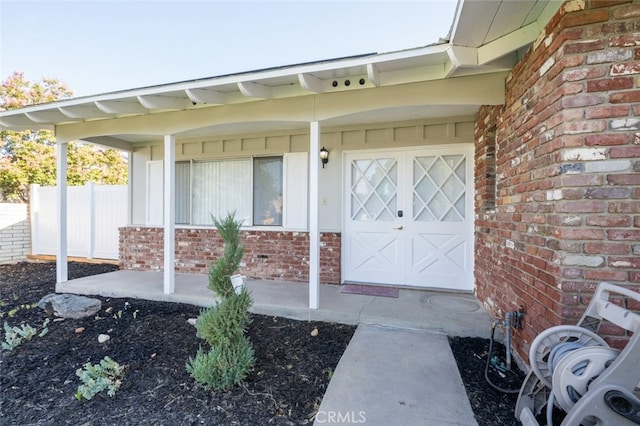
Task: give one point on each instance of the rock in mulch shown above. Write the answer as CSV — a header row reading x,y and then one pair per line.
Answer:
x,y
70,305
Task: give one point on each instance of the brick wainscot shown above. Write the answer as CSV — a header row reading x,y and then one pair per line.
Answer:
x,y
271,255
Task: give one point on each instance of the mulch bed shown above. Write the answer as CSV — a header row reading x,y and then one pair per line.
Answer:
x,y
490,406
154,341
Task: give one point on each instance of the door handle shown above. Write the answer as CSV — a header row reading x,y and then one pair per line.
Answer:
x,y
399,228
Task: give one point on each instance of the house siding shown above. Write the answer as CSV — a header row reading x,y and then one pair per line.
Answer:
x,y
270,255
403,134
558,207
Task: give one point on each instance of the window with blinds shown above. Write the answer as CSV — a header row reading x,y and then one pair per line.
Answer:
x,y
262,191
250,187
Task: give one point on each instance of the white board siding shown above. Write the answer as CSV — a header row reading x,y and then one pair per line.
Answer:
x,y
295,194
155,190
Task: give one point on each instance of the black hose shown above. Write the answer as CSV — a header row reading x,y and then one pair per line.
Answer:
x,y
486,368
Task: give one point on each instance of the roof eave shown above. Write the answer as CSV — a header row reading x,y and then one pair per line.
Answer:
x,y
242,77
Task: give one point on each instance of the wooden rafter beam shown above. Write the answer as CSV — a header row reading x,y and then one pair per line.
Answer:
x,y
373,74
121,107
163,102
207,96
84,111
50,116
311,83
254,90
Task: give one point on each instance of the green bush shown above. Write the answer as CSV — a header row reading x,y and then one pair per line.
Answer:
x,y
98,377
228,320
223,326
221,271
223,366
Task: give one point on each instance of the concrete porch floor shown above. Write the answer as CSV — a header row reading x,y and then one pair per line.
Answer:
x,y
455,314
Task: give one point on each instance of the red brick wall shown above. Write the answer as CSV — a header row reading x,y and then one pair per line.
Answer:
x,y
567,210
272,255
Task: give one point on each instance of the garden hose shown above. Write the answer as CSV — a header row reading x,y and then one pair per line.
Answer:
x,y
558,352
486,368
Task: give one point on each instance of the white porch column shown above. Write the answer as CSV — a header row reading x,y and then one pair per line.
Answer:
x,y
130,187
314,205
169,213
62,274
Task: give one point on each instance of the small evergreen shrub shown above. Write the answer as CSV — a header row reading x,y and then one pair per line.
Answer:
x,y
221,271
223,326
98,377
227,320
223,366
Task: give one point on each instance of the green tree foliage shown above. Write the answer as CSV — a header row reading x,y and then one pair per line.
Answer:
x,y
227,321
223,326
29,156
219,272
18,92
223,366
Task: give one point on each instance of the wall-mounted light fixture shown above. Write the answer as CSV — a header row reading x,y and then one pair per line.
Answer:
x,y
324,156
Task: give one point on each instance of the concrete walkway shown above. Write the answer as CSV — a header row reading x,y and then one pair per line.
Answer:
x,y
389,376
398,368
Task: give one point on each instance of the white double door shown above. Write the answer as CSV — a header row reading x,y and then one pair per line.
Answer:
x,y
409,217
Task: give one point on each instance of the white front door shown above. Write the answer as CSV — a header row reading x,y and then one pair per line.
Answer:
x,y
409,218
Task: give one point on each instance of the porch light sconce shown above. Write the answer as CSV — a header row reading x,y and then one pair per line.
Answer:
x,y
324,156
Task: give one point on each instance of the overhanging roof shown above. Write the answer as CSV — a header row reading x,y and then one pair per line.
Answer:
x,y
297,80
486,37
496,26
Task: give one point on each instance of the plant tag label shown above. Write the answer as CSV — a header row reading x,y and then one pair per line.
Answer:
x,y
237,282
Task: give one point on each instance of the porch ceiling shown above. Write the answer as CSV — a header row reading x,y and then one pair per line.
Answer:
x,y
486,37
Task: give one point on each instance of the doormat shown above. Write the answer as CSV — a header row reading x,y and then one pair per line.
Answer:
x,y
370,290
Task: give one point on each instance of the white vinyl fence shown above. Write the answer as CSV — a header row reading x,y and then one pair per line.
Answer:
x,y
94,214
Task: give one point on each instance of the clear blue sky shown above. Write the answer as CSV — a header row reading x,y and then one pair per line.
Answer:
x,y
101,46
